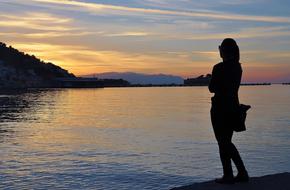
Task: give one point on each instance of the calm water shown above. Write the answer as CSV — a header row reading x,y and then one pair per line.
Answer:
x,y
132,138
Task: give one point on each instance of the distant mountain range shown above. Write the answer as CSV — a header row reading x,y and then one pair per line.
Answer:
x,y
140,78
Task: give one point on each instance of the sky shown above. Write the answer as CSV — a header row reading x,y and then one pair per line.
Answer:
x,y
178,37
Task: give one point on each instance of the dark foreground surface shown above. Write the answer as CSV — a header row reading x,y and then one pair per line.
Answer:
x,y
269,182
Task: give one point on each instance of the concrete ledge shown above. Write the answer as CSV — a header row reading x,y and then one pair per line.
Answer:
x,y
269,182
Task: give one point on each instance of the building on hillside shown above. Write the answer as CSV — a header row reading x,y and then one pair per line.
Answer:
x,y
198,81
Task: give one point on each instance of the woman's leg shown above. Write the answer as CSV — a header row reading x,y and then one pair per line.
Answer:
x,y
242,172
235,156
224,142
223,138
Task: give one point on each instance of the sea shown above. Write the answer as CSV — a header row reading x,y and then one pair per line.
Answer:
x,y
132,138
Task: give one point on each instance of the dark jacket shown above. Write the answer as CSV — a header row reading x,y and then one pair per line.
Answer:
x,y
225,83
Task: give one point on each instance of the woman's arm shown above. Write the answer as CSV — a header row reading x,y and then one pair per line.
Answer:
x,y
213,81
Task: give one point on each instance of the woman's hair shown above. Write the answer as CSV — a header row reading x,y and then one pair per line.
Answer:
x,y
230,50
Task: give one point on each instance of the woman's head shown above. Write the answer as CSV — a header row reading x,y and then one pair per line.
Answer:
x,y
229,50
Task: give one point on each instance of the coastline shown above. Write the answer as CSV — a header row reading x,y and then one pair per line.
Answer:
x,y
280,181
80,84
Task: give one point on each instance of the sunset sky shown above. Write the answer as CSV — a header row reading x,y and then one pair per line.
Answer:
x,y
178,37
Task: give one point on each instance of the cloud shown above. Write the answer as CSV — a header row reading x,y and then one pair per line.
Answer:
x,y
193,3
209,56
39,25
135,38
43,35
36,21
37,17
254,32
83,60
128,34
124,10
239,2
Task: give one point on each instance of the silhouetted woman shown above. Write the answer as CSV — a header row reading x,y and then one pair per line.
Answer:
x,y
225,82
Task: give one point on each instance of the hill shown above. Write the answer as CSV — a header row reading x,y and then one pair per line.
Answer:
x,y
140,78
20,70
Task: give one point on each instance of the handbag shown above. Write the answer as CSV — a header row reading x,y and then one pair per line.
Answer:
x,y
241,118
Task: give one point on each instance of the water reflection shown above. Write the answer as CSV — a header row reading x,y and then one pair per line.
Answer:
x,y
21,106
10,108
124,138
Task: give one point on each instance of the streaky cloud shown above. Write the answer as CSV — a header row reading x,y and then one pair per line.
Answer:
x,y
44,35
82,60
128,34
124,10
36,21
254,32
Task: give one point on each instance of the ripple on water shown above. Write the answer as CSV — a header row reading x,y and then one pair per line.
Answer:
x,y
136,138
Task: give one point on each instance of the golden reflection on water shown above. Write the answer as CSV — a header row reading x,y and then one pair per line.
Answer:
x,y
94,117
